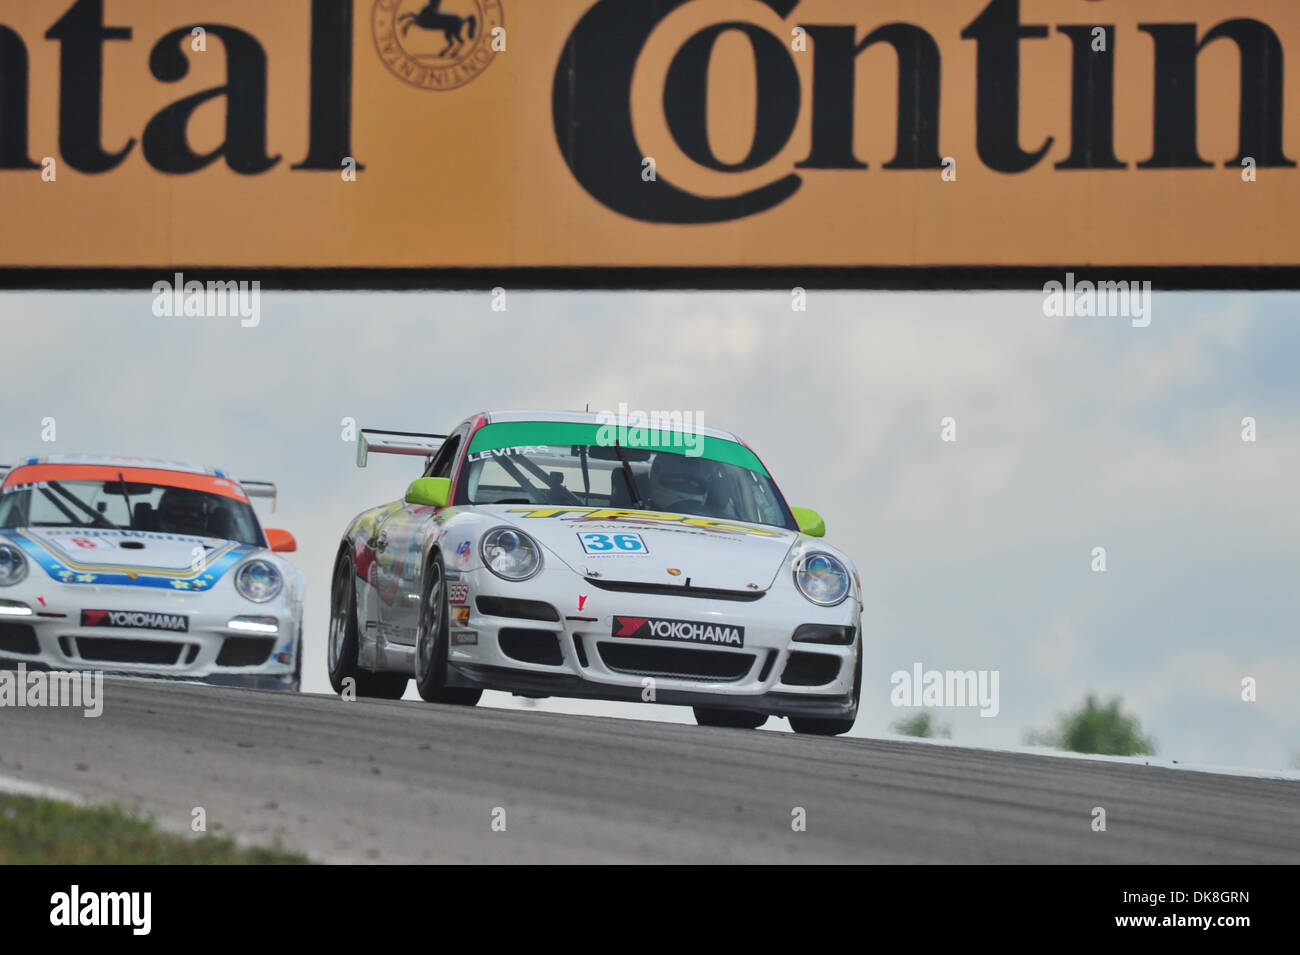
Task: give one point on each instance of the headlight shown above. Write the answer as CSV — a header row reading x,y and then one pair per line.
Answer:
x,y
13,565
822,579
510,554
259,581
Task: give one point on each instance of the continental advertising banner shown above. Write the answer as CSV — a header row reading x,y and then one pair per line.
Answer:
x,y
607,134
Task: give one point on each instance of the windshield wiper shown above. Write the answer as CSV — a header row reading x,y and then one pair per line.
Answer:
x,y
627,471
586,476
130,514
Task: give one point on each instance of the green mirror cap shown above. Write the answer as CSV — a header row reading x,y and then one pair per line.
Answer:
x,y
429,492
809,521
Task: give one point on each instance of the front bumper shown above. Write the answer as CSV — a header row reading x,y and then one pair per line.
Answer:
x,y
578,655
209,649
536,684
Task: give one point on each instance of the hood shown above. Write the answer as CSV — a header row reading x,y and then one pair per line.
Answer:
x,y
726,555
129,558
124,548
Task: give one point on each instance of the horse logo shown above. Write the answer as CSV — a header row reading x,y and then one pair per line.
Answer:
x,y
437,49
450,25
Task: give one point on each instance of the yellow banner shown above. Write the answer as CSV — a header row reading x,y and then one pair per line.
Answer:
x,y
626,133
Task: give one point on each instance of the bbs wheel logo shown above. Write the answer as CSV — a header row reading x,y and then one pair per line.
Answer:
x,y
437,44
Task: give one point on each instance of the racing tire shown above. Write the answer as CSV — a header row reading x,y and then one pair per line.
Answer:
x,y
830,726
295,683
431,643
341,653
733,719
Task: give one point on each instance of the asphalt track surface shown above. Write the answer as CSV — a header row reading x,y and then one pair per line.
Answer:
x,y
410,782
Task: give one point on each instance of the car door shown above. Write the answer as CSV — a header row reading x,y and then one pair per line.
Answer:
x,y
401,546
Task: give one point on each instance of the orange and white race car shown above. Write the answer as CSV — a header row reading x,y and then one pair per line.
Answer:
x,y
148,568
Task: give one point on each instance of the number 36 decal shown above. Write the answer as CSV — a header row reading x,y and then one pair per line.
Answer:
x,y
613,544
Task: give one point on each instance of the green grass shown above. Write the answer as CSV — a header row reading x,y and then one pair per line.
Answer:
x,y
48,832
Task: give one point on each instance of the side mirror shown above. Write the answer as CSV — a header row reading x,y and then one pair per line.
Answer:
x,y
282,542
809,521
429,492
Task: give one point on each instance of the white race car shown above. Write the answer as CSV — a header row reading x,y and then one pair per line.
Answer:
x,y
552,554
146,568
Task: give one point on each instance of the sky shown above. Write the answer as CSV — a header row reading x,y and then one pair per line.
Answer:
x,y
1071,434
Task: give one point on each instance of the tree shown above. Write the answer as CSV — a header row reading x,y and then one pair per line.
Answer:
x,y
923,724
1096,728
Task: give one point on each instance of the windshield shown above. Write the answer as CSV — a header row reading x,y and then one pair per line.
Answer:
x,y
129,506
603,476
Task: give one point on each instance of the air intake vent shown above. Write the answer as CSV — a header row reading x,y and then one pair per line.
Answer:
x,y
681,664
519,609
673,590
810,669
531,646
18,638
245,651
115,650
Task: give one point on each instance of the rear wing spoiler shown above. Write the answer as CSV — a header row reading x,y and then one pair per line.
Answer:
x,y
263,489
397,442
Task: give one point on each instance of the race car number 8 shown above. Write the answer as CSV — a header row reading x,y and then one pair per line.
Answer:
x,y
621,544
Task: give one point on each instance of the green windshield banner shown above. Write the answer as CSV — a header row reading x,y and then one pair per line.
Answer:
x,y
522,434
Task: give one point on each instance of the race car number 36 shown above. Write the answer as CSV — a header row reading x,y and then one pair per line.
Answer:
x,y
613,544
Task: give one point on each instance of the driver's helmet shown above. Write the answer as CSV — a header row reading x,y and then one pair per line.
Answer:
x,y
676,480
182,511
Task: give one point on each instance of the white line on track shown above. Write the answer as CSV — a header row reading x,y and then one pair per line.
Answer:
x,y
21,787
